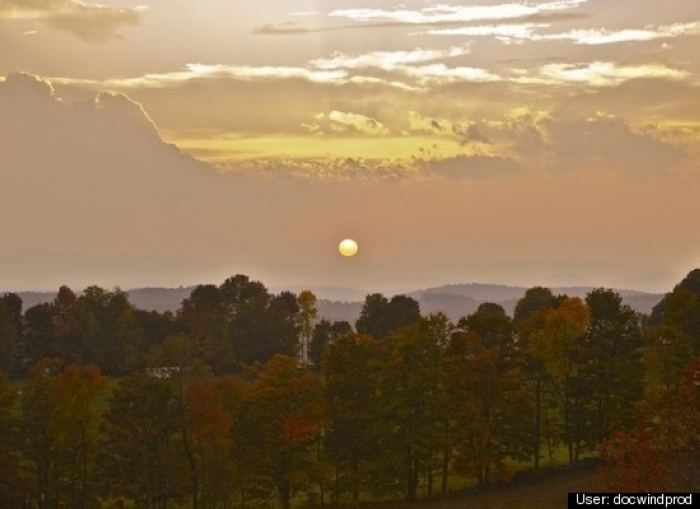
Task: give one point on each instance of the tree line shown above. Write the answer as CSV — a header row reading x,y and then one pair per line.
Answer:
x,y
243,396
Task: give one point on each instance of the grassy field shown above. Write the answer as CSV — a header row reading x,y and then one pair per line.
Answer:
x,y
547,493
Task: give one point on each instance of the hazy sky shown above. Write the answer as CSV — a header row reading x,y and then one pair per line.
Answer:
x,y
170,142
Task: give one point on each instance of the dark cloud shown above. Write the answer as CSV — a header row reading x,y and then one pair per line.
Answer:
x,y
607,143
470,133
474,167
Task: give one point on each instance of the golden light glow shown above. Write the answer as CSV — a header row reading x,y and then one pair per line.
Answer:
x,y
348,247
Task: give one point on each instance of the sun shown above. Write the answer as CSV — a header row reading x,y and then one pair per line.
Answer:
x,y
348,247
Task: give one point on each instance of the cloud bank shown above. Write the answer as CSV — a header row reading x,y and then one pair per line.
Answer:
x,y
90,22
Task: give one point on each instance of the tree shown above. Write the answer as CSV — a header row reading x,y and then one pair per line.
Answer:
x,y
75,424
39,336
349,366
690,283
59,422
613,367
204,317
11,488
555,344
535,300
39,440
68,326
487,377
380,317
528,318
137,449
407,381
257,325
10,333
306,322
177,355
111,333
325,333
213,405
285,414
662,452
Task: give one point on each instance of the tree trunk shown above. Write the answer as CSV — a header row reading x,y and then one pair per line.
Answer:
x,y
445,467
538,409
412,481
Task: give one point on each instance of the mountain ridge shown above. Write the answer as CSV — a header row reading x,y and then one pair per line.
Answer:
x,y
455,300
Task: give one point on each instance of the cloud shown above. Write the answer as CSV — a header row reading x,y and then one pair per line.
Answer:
x,y
287,28
87,185
605,143
595,37
386,60
508,33
474,167
341,122
601,74
500,32
456,13
87,21
89,169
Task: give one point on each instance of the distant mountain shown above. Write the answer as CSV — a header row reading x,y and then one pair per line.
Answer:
x,y
455,300
459,300
159,299
335,310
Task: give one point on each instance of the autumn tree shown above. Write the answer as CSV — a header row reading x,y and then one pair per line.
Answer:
x,y
407,380
59,422
136,459
349,366
75,424
285,413
10,477
528,319
662,451
555,343
177,360
487,374
39,438
213,405
612,367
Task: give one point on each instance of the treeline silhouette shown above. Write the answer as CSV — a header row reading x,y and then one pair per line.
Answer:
x,y
243,396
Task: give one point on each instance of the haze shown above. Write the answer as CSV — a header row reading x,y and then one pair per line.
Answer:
x,y
170,143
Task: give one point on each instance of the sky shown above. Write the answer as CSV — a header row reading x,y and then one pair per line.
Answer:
x,y
173,142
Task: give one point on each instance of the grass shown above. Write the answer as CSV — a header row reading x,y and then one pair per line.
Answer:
x,y
550,492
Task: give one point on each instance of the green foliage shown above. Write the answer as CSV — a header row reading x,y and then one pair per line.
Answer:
x,y
10,333
391,413
11,487
611,368
349,365
325,333
380,317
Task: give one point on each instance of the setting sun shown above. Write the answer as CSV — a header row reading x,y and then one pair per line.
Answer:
x,y
348,247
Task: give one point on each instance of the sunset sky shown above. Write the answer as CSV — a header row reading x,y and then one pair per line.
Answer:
x,y
176,142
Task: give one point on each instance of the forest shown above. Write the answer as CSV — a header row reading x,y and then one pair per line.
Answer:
x,y
243,398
